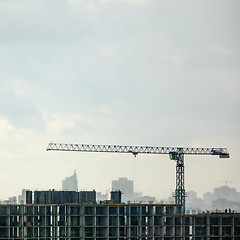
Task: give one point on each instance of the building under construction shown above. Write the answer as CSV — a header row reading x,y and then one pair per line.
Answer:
x,y
112,220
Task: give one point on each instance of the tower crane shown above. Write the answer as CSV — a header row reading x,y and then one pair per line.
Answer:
x,y
175,153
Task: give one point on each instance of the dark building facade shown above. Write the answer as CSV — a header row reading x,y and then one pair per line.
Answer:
x,y
116,196
60,197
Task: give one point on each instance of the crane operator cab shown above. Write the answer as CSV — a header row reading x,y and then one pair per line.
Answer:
x,y
173,155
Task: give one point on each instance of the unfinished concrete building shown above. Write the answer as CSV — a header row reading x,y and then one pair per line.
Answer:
x,y
113,221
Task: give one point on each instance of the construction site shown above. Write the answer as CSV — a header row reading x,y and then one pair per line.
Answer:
x,y
65,215
111,220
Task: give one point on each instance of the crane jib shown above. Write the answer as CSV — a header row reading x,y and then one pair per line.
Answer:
x,y
221,152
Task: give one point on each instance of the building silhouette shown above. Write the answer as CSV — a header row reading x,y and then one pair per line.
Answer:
x,y
125,186
70,183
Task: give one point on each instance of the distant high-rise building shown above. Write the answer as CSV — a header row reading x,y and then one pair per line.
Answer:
x,y
101,197
125,186
225,192
22,198
70,183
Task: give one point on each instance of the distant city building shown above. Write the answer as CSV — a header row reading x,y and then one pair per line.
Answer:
x,y
101,196
221,198
193,203
207,197
225,197
125,186
225,192
13,200
147,199
22,197
70,183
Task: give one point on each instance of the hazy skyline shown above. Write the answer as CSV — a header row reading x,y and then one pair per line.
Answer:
x,y
126,72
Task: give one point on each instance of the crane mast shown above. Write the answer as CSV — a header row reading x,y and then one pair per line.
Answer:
x,y
175,153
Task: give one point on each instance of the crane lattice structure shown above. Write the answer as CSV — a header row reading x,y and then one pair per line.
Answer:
x,y
175,153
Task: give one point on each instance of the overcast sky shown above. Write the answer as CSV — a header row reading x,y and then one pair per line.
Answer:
x,y
127,72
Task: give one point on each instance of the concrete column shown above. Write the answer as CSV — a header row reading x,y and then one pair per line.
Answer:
x,y
220,228
208,227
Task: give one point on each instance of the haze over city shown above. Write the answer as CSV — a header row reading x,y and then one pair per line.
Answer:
x,y
126,72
